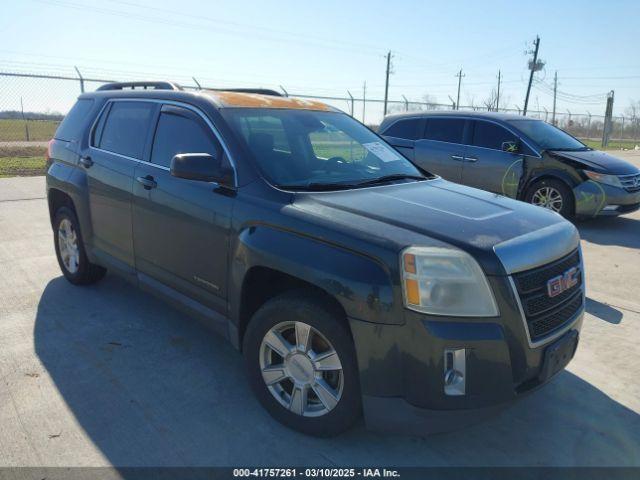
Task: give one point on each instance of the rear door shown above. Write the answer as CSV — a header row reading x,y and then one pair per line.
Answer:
x,y
486,165
441,149
118,142
181,227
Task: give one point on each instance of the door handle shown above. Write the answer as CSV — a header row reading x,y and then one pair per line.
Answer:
x,y
457,157
147,182
471,159
86,162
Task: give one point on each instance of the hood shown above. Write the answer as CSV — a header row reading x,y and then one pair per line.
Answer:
x,y
599,161
420,212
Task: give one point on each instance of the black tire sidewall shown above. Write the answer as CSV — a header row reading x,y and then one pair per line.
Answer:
x,y
568,202
310,311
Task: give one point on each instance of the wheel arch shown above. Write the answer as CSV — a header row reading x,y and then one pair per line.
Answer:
x,y
262,284
267,261
57,198
548,174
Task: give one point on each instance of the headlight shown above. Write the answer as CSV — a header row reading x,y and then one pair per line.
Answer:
x,y
612,180
443,281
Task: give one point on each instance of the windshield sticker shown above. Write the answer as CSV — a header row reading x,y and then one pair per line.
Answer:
x,y
381,151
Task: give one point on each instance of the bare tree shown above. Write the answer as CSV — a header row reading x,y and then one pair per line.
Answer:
x,y
633,111
428,102
491,101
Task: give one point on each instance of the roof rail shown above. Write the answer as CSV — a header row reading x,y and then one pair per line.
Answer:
x,y
260,91
142,85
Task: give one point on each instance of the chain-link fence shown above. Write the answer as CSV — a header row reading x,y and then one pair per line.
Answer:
x,y
32,106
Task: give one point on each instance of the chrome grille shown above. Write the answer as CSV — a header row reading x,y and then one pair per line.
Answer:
x,y
543,314
631,183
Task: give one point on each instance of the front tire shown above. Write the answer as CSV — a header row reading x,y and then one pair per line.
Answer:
x,y
552,194
302,366
70,251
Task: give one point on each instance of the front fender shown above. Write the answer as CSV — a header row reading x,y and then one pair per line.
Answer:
x,y
361,284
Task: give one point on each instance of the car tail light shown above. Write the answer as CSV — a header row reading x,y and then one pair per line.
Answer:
x,y
47,155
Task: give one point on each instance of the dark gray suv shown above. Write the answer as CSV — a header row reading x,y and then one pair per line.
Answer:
x,y
351,280
519,157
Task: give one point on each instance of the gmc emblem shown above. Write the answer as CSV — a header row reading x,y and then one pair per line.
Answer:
x,y
563,282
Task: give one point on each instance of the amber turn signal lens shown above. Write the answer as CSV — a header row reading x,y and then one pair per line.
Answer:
x,y
409,263
413,291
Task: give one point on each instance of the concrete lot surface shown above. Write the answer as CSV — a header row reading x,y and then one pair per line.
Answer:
x,y
108,375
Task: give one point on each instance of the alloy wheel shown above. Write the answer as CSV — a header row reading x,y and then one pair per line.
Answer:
x,y
548,197
68,246
301,369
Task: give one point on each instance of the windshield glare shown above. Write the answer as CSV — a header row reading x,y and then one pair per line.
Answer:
x,y
298,148
547,136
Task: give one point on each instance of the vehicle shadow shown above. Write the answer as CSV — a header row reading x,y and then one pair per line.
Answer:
x,y
603,311
151,387
621,231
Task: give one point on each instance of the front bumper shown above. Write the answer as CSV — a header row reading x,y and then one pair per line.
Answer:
x,y
596,199
402,367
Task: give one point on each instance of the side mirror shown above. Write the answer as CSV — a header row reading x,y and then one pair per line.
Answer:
x,y
201,167
511,147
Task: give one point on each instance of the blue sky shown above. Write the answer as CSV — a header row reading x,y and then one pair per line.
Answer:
x,y
330,47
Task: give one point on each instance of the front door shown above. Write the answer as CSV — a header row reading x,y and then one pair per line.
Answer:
x,y
441,150
181,227
487,166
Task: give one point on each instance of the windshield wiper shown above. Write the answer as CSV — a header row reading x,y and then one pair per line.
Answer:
x,y
391,178
579,149
317,187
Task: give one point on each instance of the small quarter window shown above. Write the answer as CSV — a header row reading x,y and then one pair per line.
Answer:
x,y
74,122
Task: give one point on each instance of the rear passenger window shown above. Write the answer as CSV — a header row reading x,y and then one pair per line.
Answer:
x,y
445,129
126,128
75,121
404,129
491,135
179,131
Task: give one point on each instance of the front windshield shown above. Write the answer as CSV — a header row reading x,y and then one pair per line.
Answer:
x,y
305,149
547,136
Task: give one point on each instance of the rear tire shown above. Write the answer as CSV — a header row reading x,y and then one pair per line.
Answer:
x,y
305,352
70,250
552,194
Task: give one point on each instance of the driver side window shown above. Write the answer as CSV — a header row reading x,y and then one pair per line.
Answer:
x,y
491,135
179,132
331,142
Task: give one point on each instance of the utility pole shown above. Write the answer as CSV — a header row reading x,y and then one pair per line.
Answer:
x,y
533,66
386,83
555,92
459,75
498,94
608,124
364,99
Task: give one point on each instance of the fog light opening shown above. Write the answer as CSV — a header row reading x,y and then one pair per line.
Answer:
x,y
454,371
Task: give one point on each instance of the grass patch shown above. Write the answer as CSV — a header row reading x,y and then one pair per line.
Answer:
x,y
613,144
22,166
16,130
